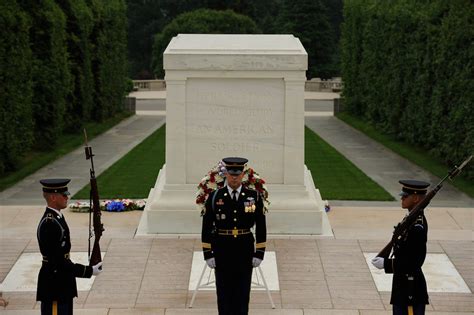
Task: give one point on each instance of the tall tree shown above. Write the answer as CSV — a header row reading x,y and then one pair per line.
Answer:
x,y
16,124
78,27
407,68
201,21
145,19
308,20
334,10
265,14
109,64
51,76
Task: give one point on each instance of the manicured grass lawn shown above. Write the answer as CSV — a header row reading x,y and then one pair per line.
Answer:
x,y
335,176
134,174
35,160
418,156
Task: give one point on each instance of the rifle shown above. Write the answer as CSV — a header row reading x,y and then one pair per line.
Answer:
x,y
401,229
94,210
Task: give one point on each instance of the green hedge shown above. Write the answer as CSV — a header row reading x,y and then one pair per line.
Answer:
x,y
62,64
16,134
79,98
407,69
200,21
51,74
309,20
109,38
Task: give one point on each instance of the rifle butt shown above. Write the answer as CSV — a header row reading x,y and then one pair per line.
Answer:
x,y
385,252
95,256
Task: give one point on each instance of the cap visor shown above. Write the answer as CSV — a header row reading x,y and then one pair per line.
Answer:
x,y
234,172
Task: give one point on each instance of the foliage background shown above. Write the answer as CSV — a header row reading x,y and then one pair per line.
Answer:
x,y
202,21
62,64
317,22
407,70
16,127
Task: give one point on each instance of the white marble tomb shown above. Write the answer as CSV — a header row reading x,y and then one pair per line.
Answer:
x,y
235,95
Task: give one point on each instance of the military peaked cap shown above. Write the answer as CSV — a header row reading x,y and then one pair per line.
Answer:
x,y
55,185
235,165
413,187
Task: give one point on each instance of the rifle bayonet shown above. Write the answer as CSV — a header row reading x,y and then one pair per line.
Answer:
x,y
87,148
457,169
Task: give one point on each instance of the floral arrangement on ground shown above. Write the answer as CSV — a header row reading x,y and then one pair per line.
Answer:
x,y
115,205
215,179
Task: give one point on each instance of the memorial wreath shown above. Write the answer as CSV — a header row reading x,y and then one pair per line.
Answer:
x,y
115,205
215,179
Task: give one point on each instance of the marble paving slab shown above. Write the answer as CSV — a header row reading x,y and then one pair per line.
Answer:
x,y
439,271
23,277
268,267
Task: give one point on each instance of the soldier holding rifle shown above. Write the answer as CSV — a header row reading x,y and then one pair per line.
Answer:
x,y
409,292
405,253
57,277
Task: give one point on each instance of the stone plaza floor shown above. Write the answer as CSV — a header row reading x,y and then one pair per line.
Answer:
x,y
314,275
151,275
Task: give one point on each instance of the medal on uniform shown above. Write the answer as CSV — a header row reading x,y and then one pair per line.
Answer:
x,y
250,205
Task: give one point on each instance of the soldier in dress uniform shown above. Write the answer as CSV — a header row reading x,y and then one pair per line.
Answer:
x,y
57,276
409,292
228,243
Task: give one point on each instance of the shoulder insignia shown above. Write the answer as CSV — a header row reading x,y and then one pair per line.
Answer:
x,y
49,218
420,219
419,222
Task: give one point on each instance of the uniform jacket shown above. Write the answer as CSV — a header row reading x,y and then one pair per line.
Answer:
x,y
226,214
57,276
409,284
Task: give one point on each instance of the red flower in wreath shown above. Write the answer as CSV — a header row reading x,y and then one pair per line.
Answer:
x,y
215,179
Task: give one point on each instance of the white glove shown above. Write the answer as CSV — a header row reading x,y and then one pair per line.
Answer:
x,y
96,269
211,262
378,262
256,262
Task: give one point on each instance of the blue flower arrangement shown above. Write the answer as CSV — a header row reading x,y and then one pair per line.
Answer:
x,y
116,206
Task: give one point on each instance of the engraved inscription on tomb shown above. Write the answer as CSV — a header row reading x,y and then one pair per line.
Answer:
x,y
235,117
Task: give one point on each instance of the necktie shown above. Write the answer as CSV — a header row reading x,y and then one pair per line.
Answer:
x,y
235,192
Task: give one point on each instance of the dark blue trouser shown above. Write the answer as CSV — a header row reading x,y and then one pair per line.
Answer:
x,y
418,309
233,291
233,273
56,308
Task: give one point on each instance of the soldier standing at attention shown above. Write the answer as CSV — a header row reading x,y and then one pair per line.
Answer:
x,y
228,244
57,276
409,292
